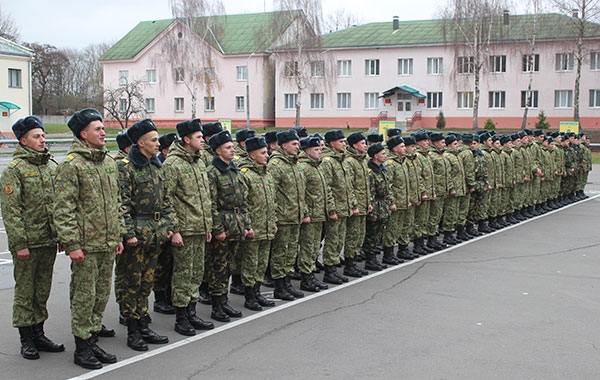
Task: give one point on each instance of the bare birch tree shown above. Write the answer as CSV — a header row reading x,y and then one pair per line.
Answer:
x,y
341,19
529,58
8,28
125,102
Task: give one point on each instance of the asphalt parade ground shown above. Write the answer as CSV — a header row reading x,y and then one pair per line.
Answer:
x,y
520,303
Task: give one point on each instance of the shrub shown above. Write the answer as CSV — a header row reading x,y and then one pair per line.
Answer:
x,y
489,125
441,121
542,123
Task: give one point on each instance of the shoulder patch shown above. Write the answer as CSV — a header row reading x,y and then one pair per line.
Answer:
x,y
326,158
70,157
9,188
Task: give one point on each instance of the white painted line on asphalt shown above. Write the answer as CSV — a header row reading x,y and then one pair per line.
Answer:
x,y
5,262
239,322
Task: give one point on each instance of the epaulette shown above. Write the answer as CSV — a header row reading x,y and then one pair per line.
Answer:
x,y
14,163
244,170
70,157
125,161
326,158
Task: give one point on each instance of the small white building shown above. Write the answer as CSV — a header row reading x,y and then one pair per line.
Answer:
x,y
15,84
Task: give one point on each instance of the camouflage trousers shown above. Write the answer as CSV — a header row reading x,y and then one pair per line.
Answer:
x,y
504,204
527,198
188,270
478,206
310,245
450,213
33,280
436,209
407,226
284,250
164,269
335,232
556,187
120,271
494,201
463,209
219,256
394,228
89,292
254,257
375,231
518,196
355,235
140,263
536,185
421,218
581,180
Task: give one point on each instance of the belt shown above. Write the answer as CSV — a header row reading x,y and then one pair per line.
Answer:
x,y
235,210
155,216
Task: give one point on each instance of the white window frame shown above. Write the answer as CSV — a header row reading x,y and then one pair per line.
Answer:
x,y
317,101
209,104
464,100
122,105
435,66
150,105
123,77
595,61
532,97
564,62
405,66
179,104
151,76
289,101
465,64
435,100
563,98
497,64
371,100
15,78
317,69
594,98
344,68
344,100
497,100
372,67
209,74
242,73
240,103
530,63
179,75
291,69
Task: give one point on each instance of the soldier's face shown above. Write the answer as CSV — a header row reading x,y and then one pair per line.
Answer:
x,y
291,147
411,148
195,141
149,144
260,156
497,144
360,147
400,149
34,139
338,145
453,145
93,134
423,143
314,152
226,152
380,157
474,145
440,144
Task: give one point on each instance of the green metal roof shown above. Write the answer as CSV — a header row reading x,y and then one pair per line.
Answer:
x,y
410,90
8,47
434,32
236,34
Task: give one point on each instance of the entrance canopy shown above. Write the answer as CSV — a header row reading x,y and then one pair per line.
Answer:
x,y
407,89
8,106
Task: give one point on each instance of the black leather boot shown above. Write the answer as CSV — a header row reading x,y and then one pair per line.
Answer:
x,y
262,301
182,324
197,322
134,338
268,280
236,286
28,349
218,314
105,332
389,258
449,238
41,341
83,355
308,284
404,254
330,277
371,263
233,313
461,233
100,354
483,227
350,268
251,303
472,231
204,296
150,336
280,290
319,283
419,247
162,304
287,281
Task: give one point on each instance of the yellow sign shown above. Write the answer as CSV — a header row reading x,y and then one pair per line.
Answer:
x,y
384,125
226,124
569,126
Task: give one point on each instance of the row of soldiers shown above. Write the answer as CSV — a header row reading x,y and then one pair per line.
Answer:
x,y
186,212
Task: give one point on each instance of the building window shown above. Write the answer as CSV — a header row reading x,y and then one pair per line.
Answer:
x,y
151,76
595,98
290,101
497,99
209,103
123,106
564,62
563,98
291,69
123,77
317,68
371,100
435,65
529,99
178,104
344,100
239,103
464,99
497,64
465,65
209,75
14,78
405,66
150,103
434,100
371,67
179,75
242,73
531,63
317,101
344,68
595,61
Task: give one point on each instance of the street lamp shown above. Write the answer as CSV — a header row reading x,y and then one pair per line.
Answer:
x,y
248,92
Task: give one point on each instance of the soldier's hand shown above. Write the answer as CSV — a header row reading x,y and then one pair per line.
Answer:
x,y
77,256
424,197
306,220
169,234
333,217
220,236
453,193
249,234
208,237
119,248
355,212
23,254
177,240
132,242
370,210
393,207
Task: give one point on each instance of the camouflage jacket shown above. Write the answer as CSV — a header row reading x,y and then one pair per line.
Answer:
x,y
491,163
260,197
338,182
427,176
240,154
380,191
120,156
508,166
188,191
587,158
440,171
499,167
319,199
481,171
570,160
398,178
87,204
518,164
558,154
548,164
355,166
28,199
527,162
536,155
465,155
146,208
289,188
415,187
456,173
228,200
206,155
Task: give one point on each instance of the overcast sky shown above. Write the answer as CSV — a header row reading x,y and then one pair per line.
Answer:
x,y
79,23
